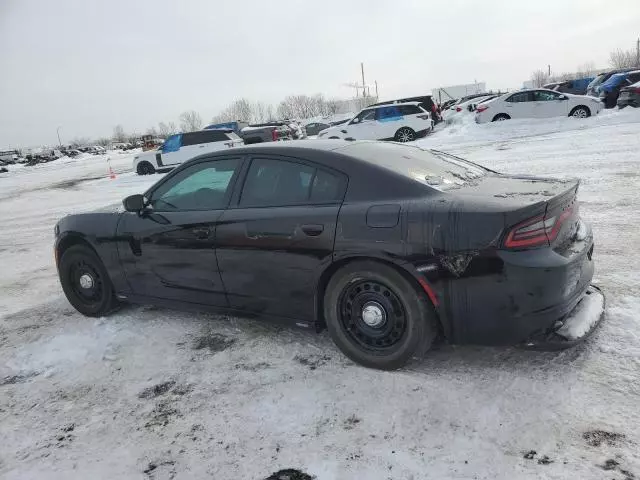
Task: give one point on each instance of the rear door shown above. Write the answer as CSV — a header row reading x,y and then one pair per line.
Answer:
x,y
549,104
168,251
389,120
277,234
520,105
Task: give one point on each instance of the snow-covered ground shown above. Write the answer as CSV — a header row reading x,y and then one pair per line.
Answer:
x,y
155,393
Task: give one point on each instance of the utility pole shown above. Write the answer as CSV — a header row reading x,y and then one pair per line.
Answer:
x,y
364,85
638,53
58,132
376,83
549,70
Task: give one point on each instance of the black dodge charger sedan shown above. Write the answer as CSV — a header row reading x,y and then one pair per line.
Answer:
x,y
387,246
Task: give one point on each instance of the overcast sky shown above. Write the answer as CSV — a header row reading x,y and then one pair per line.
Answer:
x,y
86,66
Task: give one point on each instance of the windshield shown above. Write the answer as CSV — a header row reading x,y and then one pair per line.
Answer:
x,y
435,169
597,81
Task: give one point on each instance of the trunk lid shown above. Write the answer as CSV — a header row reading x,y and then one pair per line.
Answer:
x,y
526,200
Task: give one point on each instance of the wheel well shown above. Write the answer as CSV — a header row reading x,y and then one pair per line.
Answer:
x,y
500,115
335,266
69,241
142,162
580,106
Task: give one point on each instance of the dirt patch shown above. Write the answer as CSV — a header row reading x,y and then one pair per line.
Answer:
x,y
161,415
544,460
166,466
351,422
595,438
290,474
13,379
609,464
156,390
312,361
70,184
530,455
252,367
213,342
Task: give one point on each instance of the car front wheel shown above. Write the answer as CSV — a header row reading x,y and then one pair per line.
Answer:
x,y
501,117
85,282
376,316
145,168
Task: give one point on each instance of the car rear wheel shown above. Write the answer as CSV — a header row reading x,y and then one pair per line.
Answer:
x,y
145,168
376,316
405,134
85,282
580,112
501,117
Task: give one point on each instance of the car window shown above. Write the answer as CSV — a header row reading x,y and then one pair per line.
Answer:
x,y
272,183
437,170
365,115
232,136
409,109
326,187
203,136
544,96
387,113
203,186
171,144
520,97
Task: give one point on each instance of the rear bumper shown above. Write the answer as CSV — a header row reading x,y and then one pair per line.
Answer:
x,y
575,326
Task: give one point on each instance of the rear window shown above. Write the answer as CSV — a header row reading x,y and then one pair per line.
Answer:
x,y
436,170
409,109
232,136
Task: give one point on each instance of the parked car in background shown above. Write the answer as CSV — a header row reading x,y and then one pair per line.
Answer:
x,y
537,103
629,96
266,132
181,147
402,122
236,126
355,237
9,156
473,104
593,89
610,89
314,128
339,122
425,101
576,86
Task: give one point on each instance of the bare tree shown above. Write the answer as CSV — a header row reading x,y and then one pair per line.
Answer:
x,y
240,109
622,58
166,129
190,121
103,142
80,142
152,131
118,134
133,137
539,78
333,106
587,69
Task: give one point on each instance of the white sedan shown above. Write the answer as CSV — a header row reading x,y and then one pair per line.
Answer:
x,y
537,103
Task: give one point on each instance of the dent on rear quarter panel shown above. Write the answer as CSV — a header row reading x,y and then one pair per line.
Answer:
x,y
453,243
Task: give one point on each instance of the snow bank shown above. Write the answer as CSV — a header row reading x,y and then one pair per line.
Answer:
x,y
584,317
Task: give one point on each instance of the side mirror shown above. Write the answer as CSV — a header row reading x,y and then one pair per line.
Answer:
x,y
133,203
343,131
563,97
355,120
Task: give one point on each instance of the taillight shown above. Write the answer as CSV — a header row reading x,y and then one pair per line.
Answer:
x,y
481,108
274,135
458,109
635,90
536,231
424,117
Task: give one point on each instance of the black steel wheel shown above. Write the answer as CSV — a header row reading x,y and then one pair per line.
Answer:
x,y
376,316
86,282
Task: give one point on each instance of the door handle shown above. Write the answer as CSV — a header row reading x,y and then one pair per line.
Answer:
x,y
201,233
200,146
312,230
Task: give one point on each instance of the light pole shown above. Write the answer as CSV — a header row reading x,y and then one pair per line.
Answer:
x,y
58,132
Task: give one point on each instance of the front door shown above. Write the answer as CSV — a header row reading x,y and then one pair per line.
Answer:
x,y
549,104
272,244
168,251
362,127
172,153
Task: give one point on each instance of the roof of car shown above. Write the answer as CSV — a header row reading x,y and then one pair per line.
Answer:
x,y
392,104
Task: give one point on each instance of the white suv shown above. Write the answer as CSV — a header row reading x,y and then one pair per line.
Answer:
x,y
402,122
181,147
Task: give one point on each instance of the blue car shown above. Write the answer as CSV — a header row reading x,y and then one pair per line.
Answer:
x,y
610,90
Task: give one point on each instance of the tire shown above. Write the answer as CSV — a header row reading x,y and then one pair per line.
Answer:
x,y
86,282
580,112
406,322
334,138
145,168
405,134
501,117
